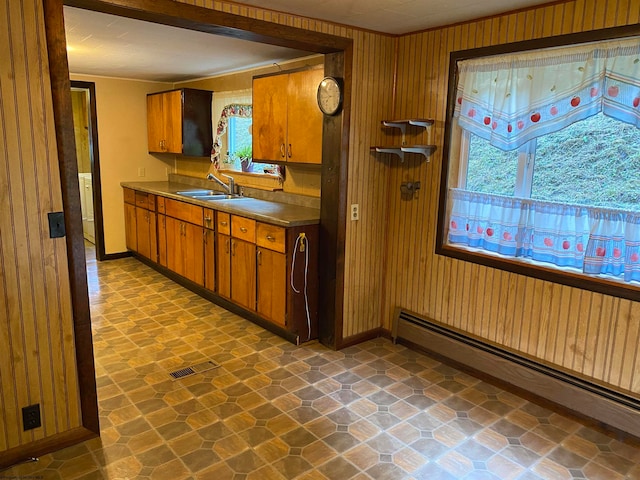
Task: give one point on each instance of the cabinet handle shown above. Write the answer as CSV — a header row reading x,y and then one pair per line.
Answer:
x,y
233,249
207,219
271,238
224,224
290,154
243,229
227,246
282,151
259,257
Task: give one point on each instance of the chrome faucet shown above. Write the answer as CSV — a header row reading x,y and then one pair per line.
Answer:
x,y
229,188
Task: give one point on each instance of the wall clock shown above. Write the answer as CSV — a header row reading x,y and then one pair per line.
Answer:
x,y
330,95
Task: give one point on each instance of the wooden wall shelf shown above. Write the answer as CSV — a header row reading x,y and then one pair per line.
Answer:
x,y
400,150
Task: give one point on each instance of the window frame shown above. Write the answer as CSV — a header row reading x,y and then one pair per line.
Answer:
x,y
451,147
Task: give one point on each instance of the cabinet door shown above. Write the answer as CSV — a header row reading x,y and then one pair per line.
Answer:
x,y
172,120
162,240
175,256
243,273
269,118
304,118
155,128
142,232
209,260
153,236
272,285
131,237
223,265
193,251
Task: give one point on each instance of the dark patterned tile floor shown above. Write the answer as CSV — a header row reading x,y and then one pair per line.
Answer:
x,y
271,410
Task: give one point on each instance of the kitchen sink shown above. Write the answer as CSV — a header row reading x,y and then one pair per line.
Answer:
x,y
216,196
194,193
207,195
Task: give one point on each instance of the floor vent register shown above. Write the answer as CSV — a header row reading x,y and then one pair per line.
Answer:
x,y
193,369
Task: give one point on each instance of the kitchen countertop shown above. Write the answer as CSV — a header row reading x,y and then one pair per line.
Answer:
x,y
282,214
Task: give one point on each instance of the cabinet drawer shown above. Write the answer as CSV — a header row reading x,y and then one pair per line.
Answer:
x,y
184,211
129,196
243,228
208,218
160,202
271,237
142,200
223,223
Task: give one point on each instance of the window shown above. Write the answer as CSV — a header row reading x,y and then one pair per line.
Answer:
x,y
542,166
232,142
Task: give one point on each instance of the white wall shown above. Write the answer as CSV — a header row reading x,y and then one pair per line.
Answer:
x,y
122,141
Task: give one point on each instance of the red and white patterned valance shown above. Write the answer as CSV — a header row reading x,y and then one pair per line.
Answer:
x,y
513,98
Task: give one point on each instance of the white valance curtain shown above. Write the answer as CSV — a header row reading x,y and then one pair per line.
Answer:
x,y
511,99
594,240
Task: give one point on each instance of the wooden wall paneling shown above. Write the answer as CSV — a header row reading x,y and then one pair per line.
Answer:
x,y
37,359
38,197
562,325
631,350
365,245
11,222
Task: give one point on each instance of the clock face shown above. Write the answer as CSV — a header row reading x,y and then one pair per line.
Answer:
x,y
329,96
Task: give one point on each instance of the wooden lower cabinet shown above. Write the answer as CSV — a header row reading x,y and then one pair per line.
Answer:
x,y
247,262
131,237
243,273
140,223
271,286
162,240
146,233
223,265
185,252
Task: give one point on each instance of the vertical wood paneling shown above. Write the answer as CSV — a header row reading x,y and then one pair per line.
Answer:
x,y
37,354
589,333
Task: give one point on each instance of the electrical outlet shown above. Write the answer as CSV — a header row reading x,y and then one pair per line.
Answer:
x,y
141,172
355,211
31,417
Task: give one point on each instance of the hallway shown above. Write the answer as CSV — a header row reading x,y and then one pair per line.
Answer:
x,y
271,410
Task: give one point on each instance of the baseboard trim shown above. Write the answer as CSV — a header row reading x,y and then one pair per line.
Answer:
x,y
115,256
362,337
35,449
604,407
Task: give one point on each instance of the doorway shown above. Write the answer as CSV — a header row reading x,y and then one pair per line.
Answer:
x,y
85,126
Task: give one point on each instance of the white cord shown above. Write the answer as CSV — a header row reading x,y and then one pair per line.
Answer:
x,y
306,270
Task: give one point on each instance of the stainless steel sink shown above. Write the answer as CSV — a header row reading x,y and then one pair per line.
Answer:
x,y
216,196
207,195
193,193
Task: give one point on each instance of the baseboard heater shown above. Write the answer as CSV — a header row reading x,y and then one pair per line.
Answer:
x,y
587,399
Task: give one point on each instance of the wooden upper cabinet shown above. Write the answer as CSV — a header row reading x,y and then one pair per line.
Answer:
x,y
304,119
179,121
269,128
287,123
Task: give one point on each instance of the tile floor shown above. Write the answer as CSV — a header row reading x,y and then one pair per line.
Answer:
x,y
272,410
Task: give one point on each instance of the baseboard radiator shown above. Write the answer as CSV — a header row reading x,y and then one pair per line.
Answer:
x,y
589,400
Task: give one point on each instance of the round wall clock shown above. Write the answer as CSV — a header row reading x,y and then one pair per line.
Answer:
x,y
330,95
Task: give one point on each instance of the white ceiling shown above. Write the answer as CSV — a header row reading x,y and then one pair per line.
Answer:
x,y
108,45
394,16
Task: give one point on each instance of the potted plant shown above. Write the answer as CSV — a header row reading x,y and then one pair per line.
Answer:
x,y
245,154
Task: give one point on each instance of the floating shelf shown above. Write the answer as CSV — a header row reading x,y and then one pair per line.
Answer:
x,y
425,150
402,124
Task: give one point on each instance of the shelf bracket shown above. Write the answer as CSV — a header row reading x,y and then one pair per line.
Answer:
x,y
401,125
394,150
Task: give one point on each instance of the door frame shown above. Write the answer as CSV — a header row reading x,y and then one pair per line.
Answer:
x,y
95,167
338,54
